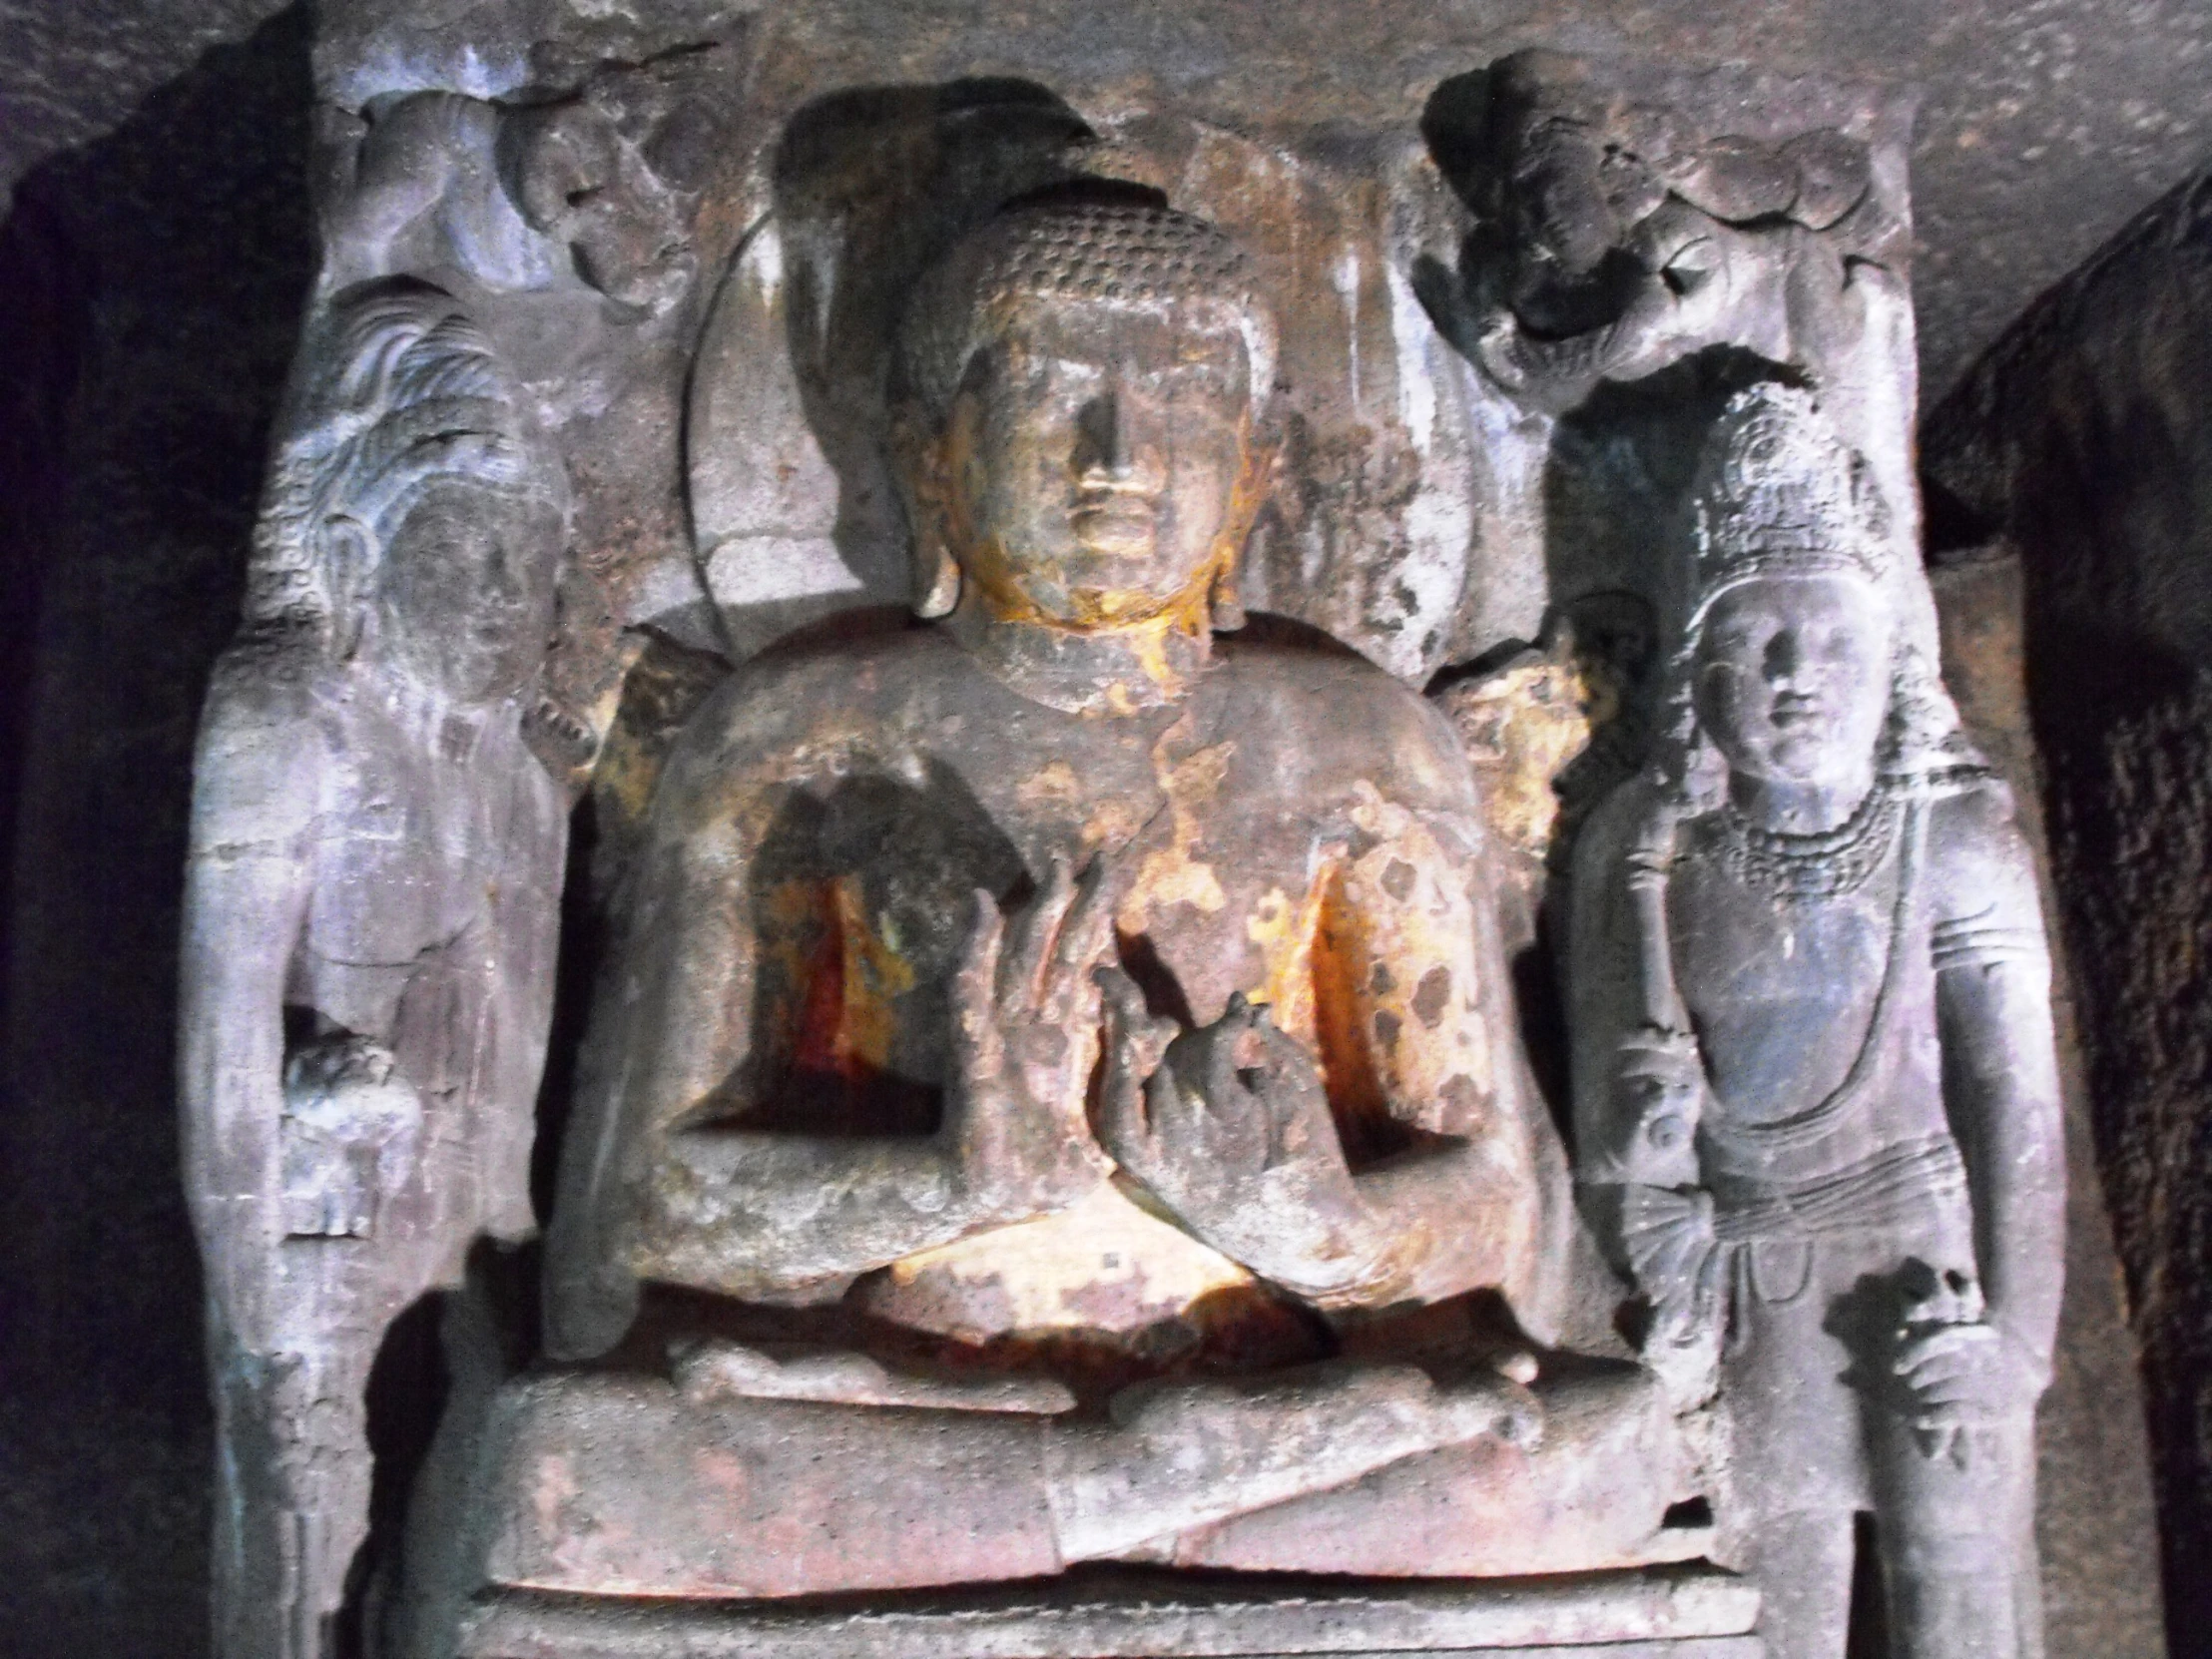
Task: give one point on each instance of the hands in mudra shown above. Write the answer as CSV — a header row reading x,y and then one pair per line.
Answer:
x,y
1225,1127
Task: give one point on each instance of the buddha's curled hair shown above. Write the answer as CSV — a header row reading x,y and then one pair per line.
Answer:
x,y
400,390
1115,249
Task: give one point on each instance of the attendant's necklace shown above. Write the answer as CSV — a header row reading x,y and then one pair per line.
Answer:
x,y
1823,865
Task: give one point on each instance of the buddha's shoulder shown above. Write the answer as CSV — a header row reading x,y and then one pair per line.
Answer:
x,y
1330,700
833,673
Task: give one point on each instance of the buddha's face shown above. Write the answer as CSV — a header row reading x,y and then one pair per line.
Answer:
x,y
1096,464
465,595
1792,678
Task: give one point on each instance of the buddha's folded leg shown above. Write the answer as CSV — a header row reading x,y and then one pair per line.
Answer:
x,y
1179,1457
621,1486
1608,1485
612,1485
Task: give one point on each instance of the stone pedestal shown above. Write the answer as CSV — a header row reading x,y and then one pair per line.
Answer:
x,y
1662,1613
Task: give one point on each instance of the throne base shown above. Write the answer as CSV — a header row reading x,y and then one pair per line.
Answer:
x,y
1688,1612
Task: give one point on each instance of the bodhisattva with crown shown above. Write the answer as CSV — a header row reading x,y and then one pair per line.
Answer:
x,y
1057,1061
1816,1087
370,914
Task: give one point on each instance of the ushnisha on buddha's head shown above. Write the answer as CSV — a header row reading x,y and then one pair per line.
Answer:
x,y
1082,379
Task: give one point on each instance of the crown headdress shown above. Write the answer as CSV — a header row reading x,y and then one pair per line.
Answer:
x,y
1779,493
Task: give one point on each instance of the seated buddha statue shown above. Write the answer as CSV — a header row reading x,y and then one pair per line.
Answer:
x,y
1055,1095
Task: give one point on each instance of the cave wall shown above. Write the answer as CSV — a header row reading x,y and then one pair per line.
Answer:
x,y
150,291
2083,440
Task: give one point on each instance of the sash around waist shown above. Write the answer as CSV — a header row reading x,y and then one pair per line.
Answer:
x,y
1898,1185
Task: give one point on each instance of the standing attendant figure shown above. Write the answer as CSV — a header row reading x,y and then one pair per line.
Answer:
x,y
371,909
1816,1089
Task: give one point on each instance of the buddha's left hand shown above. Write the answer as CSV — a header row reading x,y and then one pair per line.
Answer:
x,y
1228,1128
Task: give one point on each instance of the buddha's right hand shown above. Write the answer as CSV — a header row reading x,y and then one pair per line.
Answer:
x,y
1025,1022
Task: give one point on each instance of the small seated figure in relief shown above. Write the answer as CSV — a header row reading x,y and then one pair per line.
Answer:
x,y
1057,1074
369,912
1816,1088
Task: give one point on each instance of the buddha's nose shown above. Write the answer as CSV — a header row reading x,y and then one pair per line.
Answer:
x,y
1102,443
1111,436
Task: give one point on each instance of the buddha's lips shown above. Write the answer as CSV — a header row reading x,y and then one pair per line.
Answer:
x,y
1115,519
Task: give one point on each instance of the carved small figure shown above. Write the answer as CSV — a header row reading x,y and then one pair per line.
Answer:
x,y
1618,241
1849,1181
511,199
369,913
1062,992
351,1130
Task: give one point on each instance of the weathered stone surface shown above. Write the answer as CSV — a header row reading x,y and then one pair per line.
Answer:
x,y
190,216
2084,439
2042,124
69,73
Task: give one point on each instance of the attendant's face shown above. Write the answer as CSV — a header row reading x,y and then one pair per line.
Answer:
x,y
1557,201
465,595
1098,462
1793,677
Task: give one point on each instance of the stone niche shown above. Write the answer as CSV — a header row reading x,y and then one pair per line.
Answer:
x,y
981,785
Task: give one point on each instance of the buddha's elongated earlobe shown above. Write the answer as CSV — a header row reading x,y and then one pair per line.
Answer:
x,y
918,451
936,575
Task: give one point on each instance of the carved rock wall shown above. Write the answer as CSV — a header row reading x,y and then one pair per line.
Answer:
x,y
2095,1525
2084,437
152,282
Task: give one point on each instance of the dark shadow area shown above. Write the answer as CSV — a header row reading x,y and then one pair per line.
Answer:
x,y
585,927
1869,1636
407,1389
1617,480
150,293
2082,439
42,340
850,1036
